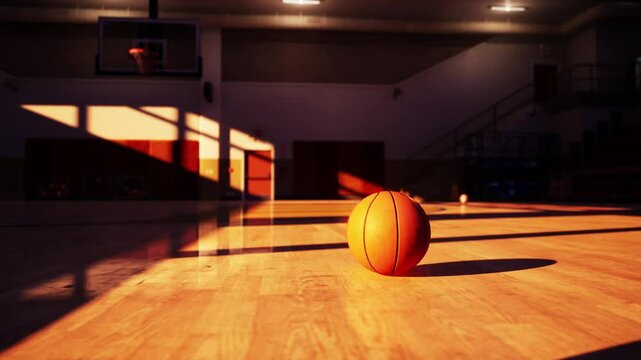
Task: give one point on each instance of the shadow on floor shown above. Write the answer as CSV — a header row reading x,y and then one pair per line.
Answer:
x,y
329,246
533,234
262,250
49,270
295,221
630,350
437,216
476,267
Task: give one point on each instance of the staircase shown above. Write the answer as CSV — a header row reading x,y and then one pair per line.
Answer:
x,y
604,166
481,158
614,85
456,161
450,143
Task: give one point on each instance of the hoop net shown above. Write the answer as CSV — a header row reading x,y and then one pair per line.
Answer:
x,y
145,59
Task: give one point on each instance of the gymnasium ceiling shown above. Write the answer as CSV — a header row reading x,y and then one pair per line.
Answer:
x,y
542,16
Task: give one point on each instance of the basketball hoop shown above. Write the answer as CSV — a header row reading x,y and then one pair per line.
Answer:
x,y
145,59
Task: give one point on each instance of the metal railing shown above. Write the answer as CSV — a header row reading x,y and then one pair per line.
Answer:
x,y
592,78
601,78
517,145
578,78
451,141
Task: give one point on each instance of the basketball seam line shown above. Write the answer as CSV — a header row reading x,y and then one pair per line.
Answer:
x,y
364,228
398,235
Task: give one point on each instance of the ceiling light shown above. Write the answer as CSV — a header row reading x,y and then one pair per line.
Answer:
x,y
302,2
507,8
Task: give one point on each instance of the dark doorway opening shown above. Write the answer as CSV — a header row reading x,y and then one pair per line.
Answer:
x,y
545,82
258,174
338,169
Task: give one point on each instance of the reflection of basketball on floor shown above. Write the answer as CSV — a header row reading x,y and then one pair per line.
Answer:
x,y
388,233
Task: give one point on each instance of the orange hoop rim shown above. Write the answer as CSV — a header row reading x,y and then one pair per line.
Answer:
x,y
136,51
144,58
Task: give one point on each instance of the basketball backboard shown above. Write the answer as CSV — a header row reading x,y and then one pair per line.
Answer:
x,y
134,46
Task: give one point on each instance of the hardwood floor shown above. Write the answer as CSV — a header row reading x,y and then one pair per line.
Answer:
x,y
276,280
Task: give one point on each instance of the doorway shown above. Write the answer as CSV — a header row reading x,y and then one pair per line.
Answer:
x,y
545,81
258,174
338,169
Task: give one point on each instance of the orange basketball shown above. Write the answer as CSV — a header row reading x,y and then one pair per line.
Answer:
x,y
388,233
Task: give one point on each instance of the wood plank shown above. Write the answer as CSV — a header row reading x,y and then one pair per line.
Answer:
x,y
551,284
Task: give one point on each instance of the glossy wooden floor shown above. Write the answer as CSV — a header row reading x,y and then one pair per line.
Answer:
x,y
276,281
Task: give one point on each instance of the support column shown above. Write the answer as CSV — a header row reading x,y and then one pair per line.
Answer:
x,y
214,143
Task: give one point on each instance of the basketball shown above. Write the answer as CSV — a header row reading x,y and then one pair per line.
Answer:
x,y
388,233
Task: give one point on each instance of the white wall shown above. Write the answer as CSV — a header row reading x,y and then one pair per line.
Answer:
x,y
8,86
287,112
92,96
440,98
581,48
431,102
570,125
618,43
9,92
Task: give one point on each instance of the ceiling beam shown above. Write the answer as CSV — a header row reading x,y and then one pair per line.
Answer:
x,y
603,11
304,22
